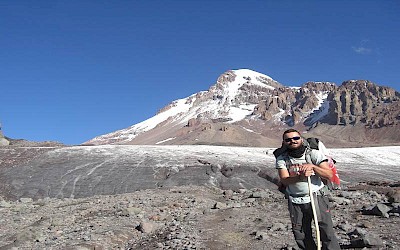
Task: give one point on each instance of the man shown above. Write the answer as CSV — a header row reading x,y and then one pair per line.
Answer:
x,y
295,165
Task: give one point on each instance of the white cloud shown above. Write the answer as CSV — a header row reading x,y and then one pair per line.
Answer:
x,y
362,50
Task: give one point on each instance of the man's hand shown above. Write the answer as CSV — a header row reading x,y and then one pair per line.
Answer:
x,y
322,170
306,169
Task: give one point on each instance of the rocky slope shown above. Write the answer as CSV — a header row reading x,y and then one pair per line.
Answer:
x,y
192,217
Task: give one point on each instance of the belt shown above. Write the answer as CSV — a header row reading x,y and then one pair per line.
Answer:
x,y
318,192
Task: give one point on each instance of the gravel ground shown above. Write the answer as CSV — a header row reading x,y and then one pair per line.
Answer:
x,y
192,217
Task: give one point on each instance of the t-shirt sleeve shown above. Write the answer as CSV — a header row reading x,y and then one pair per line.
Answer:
x,y
317,157
280,162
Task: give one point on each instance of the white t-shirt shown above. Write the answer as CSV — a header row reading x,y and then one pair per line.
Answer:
x,y
301,187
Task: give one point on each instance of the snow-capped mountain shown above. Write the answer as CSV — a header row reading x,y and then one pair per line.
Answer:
x,y
248,108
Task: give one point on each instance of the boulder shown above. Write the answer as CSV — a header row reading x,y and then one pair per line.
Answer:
x,y
394,196
378,209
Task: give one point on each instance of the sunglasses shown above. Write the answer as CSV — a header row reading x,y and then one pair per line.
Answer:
x,y
296,138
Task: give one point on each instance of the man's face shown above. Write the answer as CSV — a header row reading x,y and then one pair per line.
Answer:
x,y
292,140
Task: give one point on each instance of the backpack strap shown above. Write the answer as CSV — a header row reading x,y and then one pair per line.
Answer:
x,y
308,155
287,160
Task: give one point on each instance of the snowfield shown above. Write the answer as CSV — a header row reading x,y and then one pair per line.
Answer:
x,y
84,171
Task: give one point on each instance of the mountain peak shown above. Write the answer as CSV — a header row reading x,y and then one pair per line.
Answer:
x,y
232,98
247,76
245,107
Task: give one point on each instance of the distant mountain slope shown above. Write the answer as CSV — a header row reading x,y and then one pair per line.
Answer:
x,y
247,108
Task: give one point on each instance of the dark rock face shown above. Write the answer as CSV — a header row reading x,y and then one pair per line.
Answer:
x,y
294,105
354,102
361,101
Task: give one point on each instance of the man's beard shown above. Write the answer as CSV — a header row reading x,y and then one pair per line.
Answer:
x,y
296,152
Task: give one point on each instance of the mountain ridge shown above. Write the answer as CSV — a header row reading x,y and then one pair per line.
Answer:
x,y
248,108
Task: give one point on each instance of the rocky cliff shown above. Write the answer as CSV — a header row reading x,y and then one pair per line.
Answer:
x,y
363,102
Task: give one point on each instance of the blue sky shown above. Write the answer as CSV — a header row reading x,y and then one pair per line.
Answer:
x,y
73,70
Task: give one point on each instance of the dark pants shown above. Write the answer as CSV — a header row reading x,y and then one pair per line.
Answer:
x,y
302,216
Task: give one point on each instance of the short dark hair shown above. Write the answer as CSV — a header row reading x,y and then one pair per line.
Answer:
x,y
291,130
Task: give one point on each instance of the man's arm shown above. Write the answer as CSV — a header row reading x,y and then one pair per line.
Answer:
x,y
323,170
306,170
286,179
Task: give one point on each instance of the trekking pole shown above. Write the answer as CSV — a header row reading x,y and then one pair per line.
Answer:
x,y
314,213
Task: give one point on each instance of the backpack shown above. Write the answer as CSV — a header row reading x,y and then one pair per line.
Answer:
x,y
316,144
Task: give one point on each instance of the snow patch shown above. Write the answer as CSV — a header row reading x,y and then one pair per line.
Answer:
x,y
256,78
321,109
239,113
251,131
169,139
279,116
